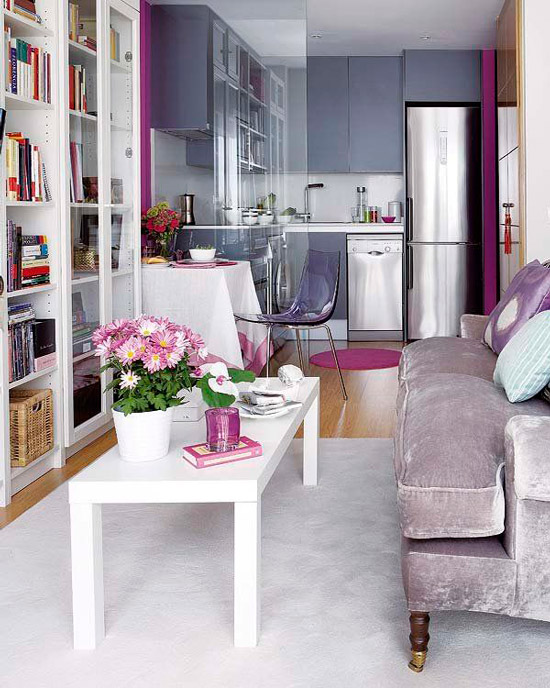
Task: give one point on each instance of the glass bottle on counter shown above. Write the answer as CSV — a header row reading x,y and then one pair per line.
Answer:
x,y
362,203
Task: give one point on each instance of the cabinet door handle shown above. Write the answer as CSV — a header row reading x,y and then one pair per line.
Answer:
x,y
1,285
410,267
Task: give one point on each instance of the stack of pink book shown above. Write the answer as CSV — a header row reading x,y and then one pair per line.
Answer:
x,y
199,456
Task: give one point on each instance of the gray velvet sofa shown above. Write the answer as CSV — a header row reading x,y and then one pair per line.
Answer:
x,y
473,484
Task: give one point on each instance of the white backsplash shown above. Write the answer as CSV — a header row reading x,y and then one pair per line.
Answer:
x,y
334,202
173,177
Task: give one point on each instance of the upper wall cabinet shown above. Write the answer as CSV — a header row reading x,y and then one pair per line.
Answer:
x,y
376,114
188,43
448,76
355,114
183,40
327,114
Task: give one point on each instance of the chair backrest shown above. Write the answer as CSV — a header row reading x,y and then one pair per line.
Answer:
x,y
318,289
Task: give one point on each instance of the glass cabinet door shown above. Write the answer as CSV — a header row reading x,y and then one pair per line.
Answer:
x,y
123,216
85,240
219,148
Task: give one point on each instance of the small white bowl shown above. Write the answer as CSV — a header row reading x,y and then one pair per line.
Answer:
x,y
266,219
250,219
202,254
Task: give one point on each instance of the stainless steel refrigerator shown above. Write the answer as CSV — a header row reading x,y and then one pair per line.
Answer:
x,y
444,218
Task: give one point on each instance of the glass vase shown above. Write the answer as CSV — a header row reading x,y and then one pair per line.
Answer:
x,y
223,429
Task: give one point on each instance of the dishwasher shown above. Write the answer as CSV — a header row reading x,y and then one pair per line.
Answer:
x,y
375,287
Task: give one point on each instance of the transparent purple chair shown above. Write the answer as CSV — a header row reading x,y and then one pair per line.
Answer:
x,y
312,307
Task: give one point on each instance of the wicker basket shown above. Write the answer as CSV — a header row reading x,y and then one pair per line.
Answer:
x,y
31,424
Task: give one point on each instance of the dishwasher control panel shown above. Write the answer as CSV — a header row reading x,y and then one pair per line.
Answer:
x,y
374,245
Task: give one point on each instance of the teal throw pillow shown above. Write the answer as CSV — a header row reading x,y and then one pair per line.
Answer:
x,y
523,366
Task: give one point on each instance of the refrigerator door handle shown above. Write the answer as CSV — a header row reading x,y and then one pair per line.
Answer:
x,y
409,219
409,267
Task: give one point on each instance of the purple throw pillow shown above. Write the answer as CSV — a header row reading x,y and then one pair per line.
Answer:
x,y
527,295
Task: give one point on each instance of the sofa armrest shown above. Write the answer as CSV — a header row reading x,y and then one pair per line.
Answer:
x,y
472,326
527,456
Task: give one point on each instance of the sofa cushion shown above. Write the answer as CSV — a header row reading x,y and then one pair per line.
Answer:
x,y
527,295
449,455
523,366
447,355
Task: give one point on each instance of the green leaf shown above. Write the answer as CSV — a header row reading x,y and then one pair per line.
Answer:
x,y
238,375
215,399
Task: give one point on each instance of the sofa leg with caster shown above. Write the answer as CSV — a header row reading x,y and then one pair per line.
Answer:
x,y
419,637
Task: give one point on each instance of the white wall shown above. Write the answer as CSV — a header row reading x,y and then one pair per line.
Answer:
x,y
536,52
334,202
171,176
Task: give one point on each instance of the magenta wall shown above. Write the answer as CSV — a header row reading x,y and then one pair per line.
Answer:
x,y
490,201
145,56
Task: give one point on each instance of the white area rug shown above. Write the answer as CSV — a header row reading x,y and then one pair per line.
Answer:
x,y
334,614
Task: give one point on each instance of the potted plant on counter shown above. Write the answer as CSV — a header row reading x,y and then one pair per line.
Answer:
x,y
152,361
160,223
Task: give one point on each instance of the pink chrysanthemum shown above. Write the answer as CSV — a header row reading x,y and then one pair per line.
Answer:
x,y
163,339
172,358
130,351
154,361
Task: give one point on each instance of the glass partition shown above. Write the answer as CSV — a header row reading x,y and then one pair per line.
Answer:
x,y
249,173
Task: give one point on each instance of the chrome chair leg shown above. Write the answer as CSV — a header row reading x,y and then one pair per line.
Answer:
x,y
268,350
300,351
333,349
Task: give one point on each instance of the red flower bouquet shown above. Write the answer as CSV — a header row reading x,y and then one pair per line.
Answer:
x,y
160,224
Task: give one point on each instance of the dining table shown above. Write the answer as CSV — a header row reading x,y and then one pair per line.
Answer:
x,y
206,299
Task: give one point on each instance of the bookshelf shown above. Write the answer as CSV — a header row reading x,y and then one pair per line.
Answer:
x,y
93,238
100,205
38,121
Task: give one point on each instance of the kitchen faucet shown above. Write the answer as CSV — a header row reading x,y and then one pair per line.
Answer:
x,y
306,215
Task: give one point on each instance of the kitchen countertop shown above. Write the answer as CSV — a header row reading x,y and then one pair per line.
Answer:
x,y
299,227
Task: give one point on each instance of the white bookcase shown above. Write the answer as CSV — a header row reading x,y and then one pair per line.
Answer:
x,y
102,232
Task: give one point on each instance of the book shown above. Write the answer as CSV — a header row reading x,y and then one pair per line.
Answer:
x,y
73,21
27,67
25,170
44,343
199,456
20,340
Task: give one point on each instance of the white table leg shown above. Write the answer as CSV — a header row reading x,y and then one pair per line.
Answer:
x,y
87,569
311,443
247,573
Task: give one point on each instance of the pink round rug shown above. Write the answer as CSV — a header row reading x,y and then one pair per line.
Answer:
x,y
358,359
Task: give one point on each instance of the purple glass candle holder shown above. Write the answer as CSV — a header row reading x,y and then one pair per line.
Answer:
x,y
223,429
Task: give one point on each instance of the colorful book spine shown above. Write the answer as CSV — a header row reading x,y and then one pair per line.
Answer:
x,y
25,172
27,69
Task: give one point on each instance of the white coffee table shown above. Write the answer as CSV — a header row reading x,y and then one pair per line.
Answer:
x,y
110,480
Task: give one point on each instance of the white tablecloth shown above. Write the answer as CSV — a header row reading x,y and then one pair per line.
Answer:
x,y
205,300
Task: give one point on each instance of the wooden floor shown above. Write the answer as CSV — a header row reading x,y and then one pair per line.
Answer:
x,y
369,412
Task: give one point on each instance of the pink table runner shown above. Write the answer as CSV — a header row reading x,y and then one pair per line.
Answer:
x,y
206,301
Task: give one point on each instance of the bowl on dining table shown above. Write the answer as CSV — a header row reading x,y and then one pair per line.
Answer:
x,y
202,255
388,219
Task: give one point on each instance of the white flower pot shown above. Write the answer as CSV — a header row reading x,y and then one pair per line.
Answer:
x,y
143,436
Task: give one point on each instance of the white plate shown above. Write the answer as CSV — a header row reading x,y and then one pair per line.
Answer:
x,y
154,266
245,413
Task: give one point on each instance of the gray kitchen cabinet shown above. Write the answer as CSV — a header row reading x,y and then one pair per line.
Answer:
x,y
182,70
233,55
328,114
376,114
447,76
334,241
219,48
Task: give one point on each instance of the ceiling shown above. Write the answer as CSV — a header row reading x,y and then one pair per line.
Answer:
x,y
386,27
280,28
